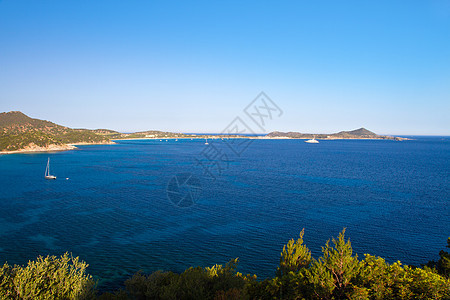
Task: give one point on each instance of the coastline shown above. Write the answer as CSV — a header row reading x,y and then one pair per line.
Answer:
x,y
84,143
50,148
34,148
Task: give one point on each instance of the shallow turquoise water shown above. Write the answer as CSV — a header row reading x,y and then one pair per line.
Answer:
x,y
114,211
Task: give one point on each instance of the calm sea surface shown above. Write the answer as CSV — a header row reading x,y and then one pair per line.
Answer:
x,y
114,212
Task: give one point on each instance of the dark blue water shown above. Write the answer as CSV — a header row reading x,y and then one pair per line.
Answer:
x,y
114,212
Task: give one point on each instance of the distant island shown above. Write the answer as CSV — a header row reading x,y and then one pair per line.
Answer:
x,y
20,133
359,134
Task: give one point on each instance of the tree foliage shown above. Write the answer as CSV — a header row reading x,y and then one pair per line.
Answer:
x,y
47,278
333,273
442,266
294,256
216,282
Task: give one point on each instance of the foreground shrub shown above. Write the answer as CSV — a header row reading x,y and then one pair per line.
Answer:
x,y
47,278
294,256
216,282
442,266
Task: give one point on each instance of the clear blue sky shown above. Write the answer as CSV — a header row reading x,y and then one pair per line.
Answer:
x,y
193,66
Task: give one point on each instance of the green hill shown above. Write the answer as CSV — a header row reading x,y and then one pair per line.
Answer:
x,y
361,133
18,131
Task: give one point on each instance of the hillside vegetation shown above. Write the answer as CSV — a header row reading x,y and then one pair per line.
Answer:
x,y
18,131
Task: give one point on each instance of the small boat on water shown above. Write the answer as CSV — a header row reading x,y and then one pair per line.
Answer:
x,y
312,141
206,141
47,171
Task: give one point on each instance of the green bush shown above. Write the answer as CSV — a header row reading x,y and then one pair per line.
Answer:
x,y
216,282
47,278
442,266
294,256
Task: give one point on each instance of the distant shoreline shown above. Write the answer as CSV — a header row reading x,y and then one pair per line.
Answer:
x,y
259,138
51,148
72,146
34,149
84,143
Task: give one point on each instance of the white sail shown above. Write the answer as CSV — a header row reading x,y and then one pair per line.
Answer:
x,y
47,171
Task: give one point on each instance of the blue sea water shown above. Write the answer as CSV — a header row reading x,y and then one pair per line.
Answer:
x,y
114,211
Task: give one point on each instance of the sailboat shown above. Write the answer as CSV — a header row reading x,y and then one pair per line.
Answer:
x,y
312,141
206,142
47,171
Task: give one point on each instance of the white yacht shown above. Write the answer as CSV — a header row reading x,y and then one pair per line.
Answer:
x,y
312,141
